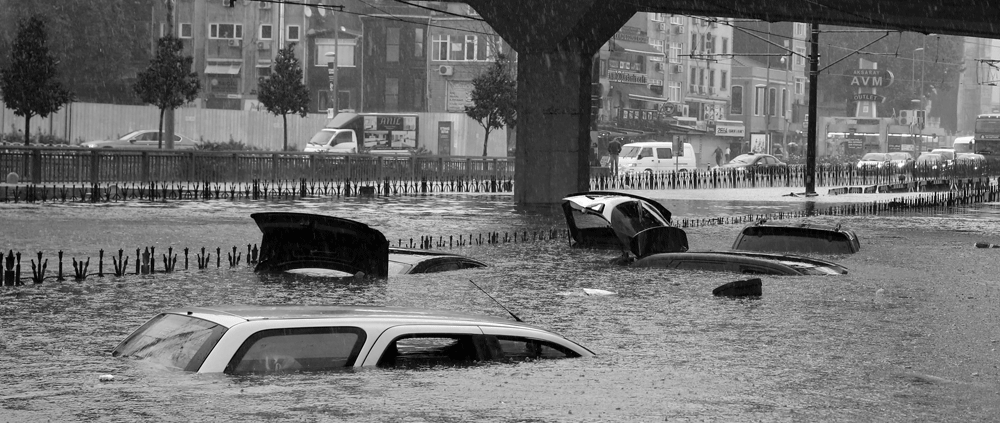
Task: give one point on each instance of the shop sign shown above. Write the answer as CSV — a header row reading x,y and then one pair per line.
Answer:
x,y
870,78
729,130
868,97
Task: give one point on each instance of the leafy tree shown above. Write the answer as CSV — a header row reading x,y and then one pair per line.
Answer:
x,y
494,95
28,82
107,41
283,91
168,82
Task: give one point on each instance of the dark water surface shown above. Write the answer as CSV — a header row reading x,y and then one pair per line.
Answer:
x,y
811,349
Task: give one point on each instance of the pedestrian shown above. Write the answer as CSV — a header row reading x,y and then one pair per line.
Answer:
x,y
614,148
718,156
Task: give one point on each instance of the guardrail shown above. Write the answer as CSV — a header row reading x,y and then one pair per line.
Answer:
x,y
47,165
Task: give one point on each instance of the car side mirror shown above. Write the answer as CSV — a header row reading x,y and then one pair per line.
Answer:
x,y
639,157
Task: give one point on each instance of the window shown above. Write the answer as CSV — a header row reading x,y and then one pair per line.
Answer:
x,y
298,349
265,32
694,42
800,86
657,44
392,45
711,78
293,33
418,42
470,47
391,94
494,47
418,93
225,31
676,20
675,52
344,49
758,105
800,30
185,30
656,17
694,76
724,49
428,350
800,56
664,153
736,104
674,92
772,101
440,45
784,102
723,80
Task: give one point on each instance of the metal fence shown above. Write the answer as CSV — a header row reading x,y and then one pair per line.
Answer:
x,y
48,165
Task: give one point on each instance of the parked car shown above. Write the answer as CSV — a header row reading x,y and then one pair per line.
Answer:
x,y
656,157
311,241
799,238
874,161
901,160
929,165
970,161
745,162
145,138
744,262
948,154
252,339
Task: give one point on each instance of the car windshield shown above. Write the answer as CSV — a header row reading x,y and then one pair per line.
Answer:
x,y
929,158
630,151
321,138
743,159
900,156
174,341
877,157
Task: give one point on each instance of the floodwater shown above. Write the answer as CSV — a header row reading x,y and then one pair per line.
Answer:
x,y
911,334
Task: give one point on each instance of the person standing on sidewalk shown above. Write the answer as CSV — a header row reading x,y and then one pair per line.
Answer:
x,y
614,148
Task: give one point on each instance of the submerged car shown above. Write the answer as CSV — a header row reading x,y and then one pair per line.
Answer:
x,y
801,238
145,138
640,227
311,241
901,160
745,162
874,161
246,339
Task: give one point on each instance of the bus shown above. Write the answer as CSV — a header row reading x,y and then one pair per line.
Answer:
x,y
987,136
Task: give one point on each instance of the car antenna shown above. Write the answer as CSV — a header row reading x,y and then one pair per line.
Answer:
x,y
498,302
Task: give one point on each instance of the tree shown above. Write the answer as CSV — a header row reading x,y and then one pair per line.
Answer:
x,y
494,95
283,91
28,82
107,41
168,82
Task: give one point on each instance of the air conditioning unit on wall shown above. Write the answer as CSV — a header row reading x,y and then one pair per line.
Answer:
x,y
264,4
445,70
234,43
263,45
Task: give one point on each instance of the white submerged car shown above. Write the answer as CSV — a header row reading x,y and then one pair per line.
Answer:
x,y
288,338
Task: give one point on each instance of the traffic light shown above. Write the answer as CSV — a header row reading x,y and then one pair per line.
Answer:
x,y
921,118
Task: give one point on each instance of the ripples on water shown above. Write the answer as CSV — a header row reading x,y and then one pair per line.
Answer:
x,y
811,349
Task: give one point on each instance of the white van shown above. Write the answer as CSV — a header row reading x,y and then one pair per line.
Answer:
x,y
656,157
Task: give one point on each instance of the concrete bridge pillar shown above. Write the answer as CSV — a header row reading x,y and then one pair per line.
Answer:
x,y
555,44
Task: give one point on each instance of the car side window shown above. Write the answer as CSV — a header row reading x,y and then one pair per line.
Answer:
x,y
449,265
664,153
515,348
646,152
298,349
429,350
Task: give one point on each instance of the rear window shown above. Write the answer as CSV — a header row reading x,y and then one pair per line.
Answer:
x,y
171,340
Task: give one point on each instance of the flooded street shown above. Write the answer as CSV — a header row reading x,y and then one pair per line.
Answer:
x,y
910,334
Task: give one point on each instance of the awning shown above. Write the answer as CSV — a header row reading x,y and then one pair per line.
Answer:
x,y
223,69
648,98
634,47
633,91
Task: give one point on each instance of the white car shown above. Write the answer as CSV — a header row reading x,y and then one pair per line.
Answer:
x,y
292,338
145,139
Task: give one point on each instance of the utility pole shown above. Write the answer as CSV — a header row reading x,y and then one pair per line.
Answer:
x,y
813,90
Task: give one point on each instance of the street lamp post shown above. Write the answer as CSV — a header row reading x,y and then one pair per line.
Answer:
x,y
787,60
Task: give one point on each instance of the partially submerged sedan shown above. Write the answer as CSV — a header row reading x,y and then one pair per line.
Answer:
x,y
279,339
639,226
310,241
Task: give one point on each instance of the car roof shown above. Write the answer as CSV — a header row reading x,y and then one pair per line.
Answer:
x,y
413,256
650,144
229,315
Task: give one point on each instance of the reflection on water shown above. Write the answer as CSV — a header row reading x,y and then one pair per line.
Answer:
x,y
811,348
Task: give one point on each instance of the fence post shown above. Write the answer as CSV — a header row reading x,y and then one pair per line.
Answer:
x,y
95,167
274,166
144,160
36,168
413,168
378,169
468,168
190,166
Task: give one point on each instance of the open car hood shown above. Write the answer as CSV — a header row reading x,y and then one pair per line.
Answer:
x,y
796,238
301,240
604,219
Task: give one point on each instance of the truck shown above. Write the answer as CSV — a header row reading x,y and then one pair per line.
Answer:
x,y
367,133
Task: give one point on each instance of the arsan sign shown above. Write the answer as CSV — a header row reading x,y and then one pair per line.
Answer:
x,y
873,78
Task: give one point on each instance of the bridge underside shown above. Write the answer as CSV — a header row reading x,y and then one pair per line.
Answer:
x,y
556,40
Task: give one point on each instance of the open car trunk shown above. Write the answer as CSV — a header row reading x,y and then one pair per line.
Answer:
x,y
302,240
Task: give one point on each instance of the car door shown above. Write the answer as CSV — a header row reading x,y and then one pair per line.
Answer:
x,y
147,140
415,346
647,160
664,159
